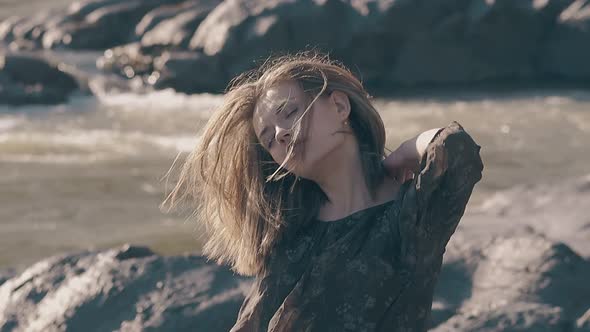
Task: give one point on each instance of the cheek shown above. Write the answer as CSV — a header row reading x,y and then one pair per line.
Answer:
x,y
322,141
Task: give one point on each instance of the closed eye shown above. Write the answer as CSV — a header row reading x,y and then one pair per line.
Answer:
x,y
288,115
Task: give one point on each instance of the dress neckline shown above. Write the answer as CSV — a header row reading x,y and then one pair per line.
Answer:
x,y
356,213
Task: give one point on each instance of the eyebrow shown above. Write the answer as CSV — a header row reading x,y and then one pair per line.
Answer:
x,y
280,107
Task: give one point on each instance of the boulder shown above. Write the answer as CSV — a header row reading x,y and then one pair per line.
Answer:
x,y
239,31
122,289
521,282
397,44
389,45
187,72
93,24
30,79
103,27
567,50
175,31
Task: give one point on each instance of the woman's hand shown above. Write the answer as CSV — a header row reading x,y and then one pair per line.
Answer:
x,y
400,164
404,162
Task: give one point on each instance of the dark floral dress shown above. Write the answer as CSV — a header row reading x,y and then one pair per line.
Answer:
x,y
374,270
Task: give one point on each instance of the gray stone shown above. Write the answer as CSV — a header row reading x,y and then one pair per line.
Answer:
x,y
174,66
389,45
567,50
30,79
516,282
521,281
98,291
176,31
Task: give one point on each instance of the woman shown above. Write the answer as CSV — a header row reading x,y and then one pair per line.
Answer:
x,y
291,181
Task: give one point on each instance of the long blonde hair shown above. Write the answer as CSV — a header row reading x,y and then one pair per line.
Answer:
x,y
232,184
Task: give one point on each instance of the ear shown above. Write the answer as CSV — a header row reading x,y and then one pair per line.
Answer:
x,y
342,103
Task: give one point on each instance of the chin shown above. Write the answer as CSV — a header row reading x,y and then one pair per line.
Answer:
x,y
298,165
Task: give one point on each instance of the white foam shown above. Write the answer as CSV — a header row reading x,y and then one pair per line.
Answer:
x,y
162,100
179,143
10,122
85,146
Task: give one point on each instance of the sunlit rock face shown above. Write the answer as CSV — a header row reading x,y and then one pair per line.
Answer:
x,y
521,282
128,288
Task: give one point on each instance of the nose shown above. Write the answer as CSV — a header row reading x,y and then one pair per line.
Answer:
x,y
283,135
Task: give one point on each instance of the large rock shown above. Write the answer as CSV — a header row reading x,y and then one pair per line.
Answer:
x,y
92,24
30,79
522,282
516,282
389,44
123,289
128,60
392,43
103,27
171,69
160,31
489,40
176,31
567,50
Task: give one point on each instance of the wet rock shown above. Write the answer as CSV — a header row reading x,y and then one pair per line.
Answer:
x,y
93,24
79,9
389,43
101,28
157,15
583,323
566,53
30,79
127,61
7,28
172,67
176,31
489,40
411,43
238,32
96,291
129,251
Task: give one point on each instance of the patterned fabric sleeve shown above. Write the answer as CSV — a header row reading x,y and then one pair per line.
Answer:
x,y
436,198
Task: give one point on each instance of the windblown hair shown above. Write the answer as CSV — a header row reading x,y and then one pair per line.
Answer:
x,y
233,185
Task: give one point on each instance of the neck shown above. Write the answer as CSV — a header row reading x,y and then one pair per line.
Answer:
x,y
342,180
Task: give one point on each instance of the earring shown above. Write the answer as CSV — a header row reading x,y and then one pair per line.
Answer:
x,y
346,123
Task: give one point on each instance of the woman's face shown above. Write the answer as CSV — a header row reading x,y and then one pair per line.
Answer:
x,y
275,114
